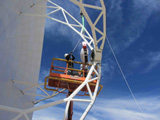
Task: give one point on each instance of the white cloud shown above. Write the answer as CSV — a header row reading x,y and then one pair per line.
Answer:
x,y
56,28
125,29
154,60
111,109
62,32
141,12
150,60
51,113
122,114
126,109
107,69
43,73
151,5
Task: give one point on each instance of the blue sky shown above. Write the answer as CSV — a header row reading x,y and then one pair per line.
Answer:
x,y
133,30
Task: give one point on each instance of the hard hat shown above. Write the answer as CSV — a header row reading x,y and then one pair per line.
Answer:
x,y
65,55
84,44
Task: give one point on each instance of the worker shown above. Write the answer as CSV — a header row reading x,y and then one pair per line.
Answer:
x,y
70,57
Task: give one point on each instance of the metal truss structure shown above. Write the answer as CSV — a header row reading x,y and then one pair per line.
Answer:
x,y
93,43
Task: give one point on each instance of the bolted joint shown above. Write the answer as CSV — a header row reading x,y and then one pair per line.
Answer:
x,y
81,14
32,5
20,13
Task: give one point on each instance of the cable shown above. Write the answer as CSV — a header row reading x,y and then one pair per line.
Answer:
x,y
82,16
83,31
125,78
83,23
76,45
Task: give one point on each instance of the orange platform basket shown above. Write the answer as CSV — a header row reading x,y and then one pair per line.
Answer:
x,y
59,78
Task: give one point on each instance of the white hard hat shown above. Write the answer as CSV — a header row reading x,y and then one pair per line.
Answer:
x,y
84,43
65,55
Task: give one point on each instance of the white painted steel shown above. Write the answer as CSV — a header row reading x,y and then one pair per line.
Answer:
x,y
24,112
66,110
21,40
93,25
81,100
64,22
89,91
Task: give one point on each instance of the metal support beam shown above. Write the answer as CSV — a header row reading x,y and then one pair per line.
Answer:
x,y
89,40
